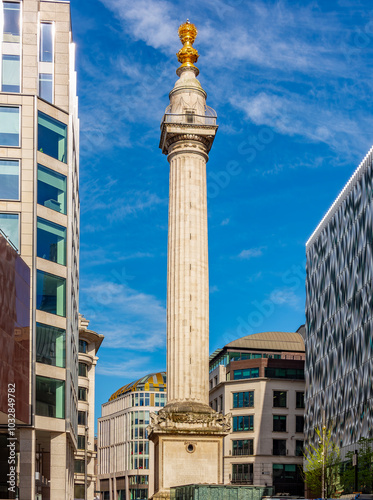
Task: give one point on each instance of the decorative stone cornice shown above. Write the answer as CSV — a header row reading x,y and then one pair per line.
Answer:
x,y
189,421
172,139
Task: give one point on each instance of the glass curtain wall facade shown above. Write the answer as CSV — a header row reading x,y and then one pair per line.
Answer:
x,y
39,181
339,316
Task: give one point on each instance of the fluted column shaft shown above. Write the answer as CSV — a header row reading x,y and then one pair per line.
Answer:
x,y
187,277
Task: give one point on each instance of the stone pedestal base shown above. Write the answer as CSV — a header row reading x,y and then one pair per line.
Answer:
x,y
188,446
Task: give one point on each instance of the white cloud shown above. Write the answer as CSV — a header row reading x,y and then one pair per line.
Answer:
x,y
147,20
251,252
225,222
133,203
128,318
129,370
284,296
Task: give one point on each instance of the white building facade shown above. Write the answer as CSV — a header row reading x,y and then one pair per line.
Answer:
x,y
259,379
85,457
125,465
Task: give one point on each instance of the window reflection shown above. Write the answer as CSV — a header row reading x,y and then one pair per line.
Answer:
x,y
51,189
50,397
52,137
51,241
50,345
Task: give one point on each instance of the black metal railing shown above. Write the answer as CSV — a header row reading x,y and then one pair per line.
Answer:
x,y
242,478
189,119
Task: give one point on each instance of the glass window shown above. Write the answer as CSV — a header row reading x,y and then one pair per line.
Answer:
x,y
299,403
299,423
243,399
83,346
82,394
279,399
242,473
247,373
9,224
50,397
82,417
243,447
81,442
46,86
11,22
51,293
10,79
284,373
139,493
9,179
46,42
298,448
79,490
243,423
83,370
51,189
9,126
52,137
79,469
51,241
279,447
288,473
50,345
279,423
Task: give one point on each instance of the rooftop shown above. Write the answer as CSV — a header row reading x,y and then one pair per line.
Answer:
x,y
279,341
155,382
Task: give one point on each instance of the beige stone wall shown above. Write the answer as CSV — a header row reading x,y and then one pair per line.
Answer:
x,y
263,411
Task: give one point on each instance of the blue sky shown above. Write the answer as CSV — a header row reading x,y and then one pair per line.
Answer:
x,y
291,83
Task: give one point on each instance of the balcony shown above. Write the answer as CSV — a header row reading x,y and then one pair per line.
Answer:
x,y
242,478
189,117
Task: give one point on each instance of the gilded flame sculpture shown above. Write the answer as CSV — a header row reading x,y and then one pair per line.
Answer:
x,y
187,55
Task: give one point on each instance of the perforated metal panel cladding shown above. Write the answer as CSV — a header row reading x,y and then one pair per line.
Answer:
x,y
339,316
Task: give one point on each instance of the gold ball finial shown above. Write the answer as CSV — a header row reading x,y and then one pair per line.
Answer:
x,y
187,55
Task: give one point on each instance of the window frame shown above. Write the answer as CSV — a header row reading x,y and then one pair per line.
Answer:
x,y
62,385
297,417
250,447
12,243
236,423
274,400
54,276
236,395
84,391
50,120
279,419
284,444
19,107
46,222
52,24
62,331
51,172
80,364
19,178
296,400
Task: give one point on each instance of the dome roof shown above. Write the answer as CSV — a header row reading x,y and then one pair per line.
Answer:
x,y
155,382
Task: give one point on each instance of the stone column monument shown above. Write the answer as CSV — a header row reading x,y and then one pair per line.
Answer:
x,y
187,433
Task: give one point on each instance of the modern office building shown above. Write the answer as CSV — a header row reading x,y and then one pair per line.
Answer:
x,y
259,379
39,213
339,315
85,474
125,454
15,405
